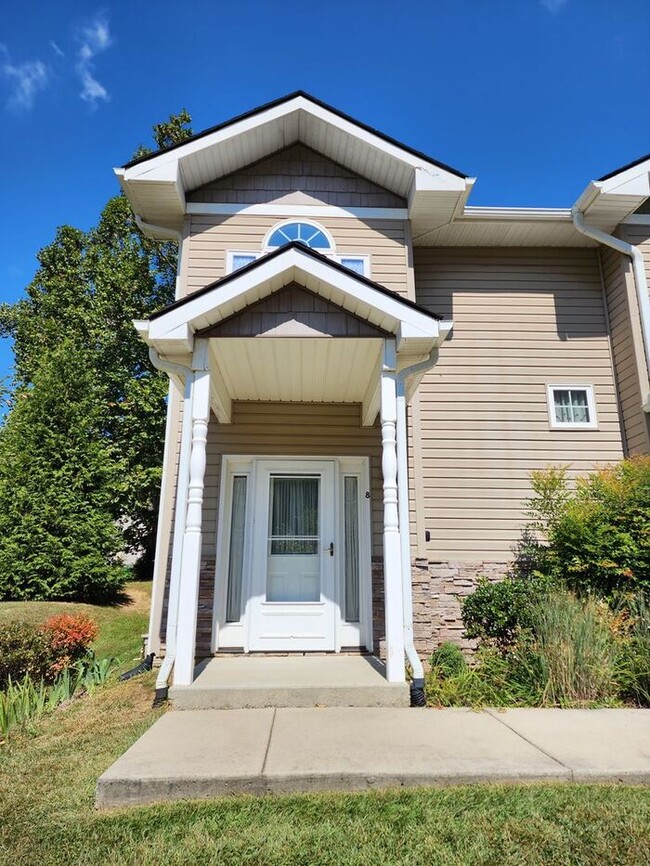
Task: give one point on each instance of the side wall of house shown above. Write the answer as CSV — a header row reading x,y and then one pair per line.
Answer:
x,y
523,319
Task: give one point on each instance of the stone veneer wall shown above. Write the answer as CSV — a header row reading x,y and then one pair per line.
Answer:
x,y
438,588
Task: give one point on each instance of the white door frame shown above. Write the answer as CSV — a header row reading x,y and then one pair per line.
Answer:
x,y
237,635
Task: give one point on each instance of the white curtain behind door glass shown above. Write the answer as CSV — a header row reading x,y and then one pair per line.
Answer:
x,y
351,520
294,516
236,557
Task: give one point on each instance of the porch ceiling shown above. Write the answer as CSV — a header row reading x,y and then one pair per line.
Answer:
x,y
305,370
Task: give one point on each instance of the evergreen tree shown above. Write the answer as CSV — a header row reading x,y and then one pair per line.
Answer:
x,y
81,449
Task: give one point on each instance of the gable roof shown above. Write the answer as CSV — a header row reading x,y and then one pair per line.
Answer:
x,y
623,168
281,101
157,184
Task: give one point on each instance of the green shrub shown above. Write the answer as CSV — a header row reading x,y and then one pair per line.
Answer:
x,y
598,534
448,660
496,611
24,651
574,650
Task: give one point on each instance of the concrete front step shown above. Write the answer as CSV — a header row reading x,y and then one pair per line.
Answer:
x,y
294,681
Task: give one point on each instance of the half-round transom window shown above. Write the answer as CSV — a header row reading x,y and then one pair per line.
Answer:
x,y
308,234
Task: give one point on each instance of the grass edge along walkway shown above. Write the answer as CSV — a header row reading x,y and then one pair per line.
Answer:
x,y
47,784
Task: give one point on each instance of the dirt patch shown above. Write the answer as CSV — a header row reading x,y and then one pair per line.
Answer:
x,y
137,597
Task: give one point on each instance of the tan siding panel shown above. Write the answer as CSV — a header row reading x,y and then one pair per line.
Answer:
x,y
523,319
212,236
628,360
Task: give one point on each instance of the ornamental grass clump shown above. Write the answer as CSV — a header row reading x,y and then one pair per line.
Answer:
x,y
574,650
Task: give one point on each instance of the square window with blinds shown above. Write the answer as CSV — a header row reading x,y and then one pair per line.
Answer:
x,y
571,407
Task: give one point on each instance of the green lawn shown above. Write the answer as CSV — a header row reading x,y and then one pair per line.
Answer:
x,y
47,781
120,626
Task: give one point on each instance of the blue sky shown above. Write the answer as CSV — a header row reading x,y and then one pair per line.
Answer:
x,y
534,97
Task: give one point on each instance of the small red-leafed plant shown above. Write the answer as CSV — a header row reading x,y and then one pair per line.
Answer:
x,y
70,638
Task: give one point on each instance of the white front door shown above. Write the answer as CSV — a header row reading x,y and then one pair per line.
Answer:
x,y
293,599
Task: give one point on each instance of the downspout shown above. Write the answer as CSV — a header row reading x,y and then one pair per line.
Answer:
x,y
186,375
640,280
417,684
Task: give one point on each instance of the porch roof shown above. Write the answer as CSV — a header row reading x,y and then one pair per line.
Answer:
x,y
416,329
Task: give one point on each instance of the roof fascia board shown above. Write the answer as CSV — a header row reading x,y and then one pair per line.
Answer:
x,y
292,265
624,168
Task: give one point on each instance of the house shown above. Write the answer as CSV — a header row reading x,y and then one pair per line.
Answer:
x,y
364,369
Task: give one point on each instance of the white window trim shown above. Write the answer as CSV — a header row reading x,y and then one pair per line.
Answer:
x,y
230,255
592,424
364,257
289,222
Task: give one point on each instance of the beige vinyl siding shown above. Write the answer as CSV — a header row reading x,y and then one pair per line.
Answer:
x,y
523,319
627,349
296,175
291,430
212,236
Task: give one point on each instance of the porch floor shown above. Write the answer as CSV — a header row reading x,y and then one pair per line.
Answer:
x,y
244,682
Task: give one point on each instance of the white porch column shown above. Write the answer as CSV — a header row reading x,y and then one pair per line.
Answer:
x,y
395,668
188,603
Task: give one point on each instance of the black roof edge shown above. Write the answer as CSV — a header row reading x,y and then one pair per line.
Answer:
x,y
624,167
248,114
274,254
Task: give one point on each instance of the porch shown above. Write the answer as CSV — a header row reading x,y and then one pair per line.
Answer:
x,y
244,682
291,526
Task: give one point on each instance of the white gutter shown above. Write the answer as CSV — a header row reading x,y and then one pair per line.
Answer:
x,y
640,279
186,375
158,232
403,510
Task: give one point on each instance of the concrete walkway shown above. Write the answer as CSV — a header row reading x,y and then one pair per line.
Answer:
x,y
208,753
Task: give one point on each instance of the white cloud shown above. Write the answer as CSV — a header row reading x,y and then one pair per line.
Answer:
x,y
94,38
55,48
25,79
553,5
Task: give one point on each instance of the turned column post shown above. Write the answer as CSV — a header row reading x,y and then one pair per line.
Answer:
x,y
188,605
395,672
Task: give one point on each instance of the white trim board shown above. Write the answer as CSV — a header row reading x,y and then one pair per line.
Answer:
x,y
289,210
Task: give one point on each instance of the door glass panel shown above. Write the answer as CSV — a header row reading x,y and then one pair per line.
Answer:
x,y
293,555
351,542
236,554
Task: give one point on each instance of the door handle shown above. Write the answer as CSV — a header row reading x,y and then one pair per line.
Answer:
x,y
331,548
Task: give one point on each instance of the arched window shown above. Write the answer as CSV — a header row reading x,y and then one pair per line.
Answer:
x,y
307,233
